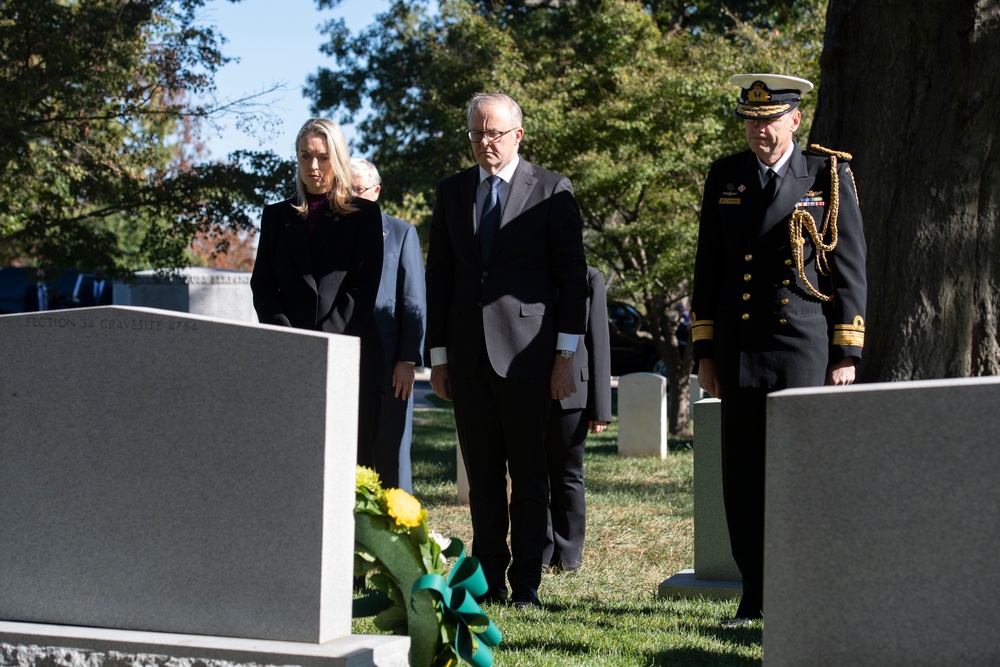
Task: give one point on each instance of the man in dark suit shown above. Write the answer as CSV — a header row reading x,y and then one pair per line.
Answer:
x,y
99,292
36,295
588,410
397,332
506,305
779,294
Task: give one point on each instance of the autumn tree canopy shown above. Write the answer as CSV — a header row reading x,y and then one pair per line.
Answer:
x,y
98,129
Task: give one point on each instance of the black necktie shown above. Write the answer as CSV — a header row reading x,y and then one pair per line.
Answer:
x,y
770,185
489,221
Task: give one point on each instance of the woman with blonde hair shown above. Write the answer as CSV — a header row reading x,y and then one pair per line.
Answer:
x,y
319,260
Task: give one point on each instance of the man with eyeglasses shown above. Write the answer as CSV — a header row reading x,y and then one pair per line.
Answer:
x,y
506,305
392,343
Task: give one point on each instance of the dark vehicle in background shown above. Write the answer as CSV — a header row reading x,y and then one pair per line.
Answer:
x,y
629,355
636,355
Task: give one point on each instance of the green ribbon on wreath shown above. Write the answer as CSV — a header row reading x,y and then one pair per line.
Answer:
x,y
474,631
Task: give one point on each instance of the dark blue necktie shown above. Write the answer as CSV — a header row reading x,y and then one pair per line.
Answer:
x,y
489,221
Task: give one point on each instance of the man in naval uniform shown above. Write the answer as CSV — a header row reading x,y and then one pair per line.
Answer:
x,y
779,294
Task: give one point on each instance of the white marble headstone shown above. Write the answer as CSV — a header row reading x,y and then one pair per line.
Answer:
x,y
642,415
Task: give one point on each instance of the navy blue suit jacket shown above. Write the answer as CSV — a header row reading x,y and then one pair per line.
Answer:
x,y
400,303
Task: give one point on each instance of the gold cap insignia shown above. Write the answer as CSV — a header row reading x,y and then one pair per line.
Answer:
x,y
758,93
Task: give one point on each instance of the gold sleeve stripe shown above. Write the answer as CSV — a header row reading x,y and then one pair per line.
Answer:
x,y
850,334
703,330
850,338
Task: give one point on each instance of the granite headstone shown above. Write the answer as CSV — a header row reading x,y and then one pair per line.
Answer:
x,y
882,525
175,473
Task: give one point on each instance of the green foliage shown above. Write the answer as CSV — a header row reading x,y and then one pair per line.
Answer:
x,y
628,99
98,134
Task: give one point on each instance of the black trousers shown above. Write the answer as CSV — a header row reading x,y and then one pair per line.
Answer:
x,y
384,435
743,449
567,524
501,426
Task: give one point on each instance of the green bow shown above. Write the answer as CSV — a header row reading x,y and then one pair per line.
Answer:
x,y
474,631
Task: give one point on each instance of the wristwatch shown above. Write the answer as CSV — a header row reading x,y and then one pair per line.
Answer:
x,y
566,354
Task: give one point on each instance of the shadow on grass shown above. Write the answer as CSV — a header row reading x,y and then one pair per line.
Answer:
x,y
690,657
597,447
599,486
615,624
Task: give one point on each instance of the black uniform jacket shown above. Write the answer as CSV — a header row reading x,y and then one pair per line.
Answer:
x,y
752,311
326,281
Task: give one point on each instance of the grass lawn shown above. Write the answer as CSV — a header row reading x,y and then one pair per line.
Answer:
x,y
639,532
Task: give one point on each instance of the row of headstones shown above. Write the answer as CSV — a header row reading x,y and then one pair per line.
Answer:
x,y
196,290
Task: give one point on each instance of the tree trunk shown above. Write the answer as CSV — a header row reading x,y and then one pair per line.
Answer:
x,y
912,90
679,398
664,320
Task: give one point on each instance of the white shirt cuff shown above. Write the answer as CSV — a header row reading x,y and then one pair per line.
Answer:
x,y
567,341
439,355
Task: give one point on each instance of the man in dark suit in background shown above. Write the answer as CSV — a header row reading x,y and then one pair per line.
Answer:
x,y
36,295
779,295
98,293
397,331
506,305
588,410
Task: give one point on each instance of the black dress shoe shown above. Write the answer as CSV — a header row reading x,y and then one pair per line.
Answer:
x,y
493,596
526,598
750,607
560,567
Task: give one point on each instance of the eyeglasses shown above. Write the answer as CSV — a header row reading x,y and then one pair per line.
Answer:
x,y
492,136
357,192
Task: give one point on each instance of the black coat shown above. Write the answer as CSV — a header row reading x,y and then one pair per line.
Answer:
x,y
323,282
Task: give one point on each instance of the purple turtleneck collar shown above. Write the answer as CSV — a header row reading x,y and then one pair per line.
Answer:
x,y
318,207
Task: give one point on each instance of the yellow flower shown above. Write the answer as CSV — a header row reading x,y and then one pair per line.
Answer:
x,y
404,508
366,478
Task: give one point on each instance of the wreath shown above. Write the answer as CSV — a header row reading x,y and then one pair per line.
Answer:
x,y
413,591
